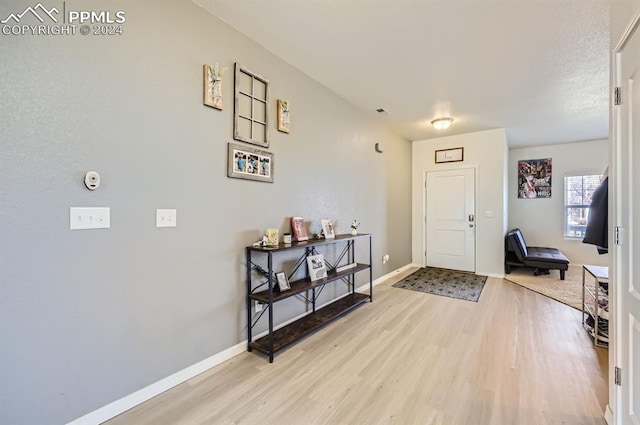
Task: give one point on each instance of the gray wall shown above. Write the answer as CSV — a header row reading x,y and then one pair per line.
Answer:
x,y
87,317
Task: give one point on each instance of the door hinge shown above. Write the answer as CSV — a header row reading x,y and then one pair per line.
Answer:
x,y
616,236
617,96
618,376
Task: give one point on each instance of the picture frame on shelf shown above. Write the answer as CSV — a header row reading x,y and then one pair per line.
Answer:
x,y
283,281
248,163
299,229
272,236
317,267
327,228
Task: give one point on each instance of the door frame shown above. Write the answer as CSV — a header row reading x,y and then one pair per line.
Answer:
x,y
613,413
424,211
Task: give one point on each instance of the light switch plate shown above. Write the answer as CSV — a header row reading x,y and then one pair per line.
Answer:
x,y
81,218
166,218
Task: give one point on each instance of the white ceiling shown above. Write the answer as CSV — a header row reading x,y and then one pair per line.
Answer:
x,y
538,68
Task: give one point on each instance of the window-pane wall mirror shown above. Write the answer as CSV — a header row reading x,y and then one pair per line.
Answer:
x,y
251,107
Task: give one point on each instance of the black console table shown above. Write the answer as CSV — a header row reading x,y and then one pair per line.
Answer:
x,y
262,289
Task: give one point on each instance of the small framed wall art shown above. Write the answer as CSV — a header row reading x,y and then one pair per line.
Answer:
x,y
251,108
449,155
284,123
212,78
249,163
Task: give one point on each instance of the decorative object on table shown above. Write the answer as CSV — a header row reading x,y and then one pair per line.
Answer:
x,y
317,268
448,283
299,229
327,228
449,155
286,238
283,282
250,164
534,178
284,123
354,227
272,236
251,108
213,85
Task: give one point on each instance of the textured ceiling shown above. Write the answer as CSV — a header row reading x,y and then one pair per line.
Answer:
x,y
538,68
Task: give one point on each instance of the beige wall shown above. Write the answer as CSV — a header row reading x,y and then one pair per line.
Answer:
x,y
486,152
542,220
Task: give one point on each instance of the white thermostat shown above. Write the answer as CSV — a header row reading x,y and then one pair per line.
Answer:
x,y
92,180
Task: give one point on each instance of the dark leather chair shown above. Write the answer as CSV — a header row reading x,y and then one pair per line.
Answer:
x,y
543,259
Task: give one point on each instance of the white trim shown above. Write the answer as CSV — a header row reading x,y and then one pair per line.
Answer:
x,y
608,415
132,400
385,277
615,347
628,31
496,275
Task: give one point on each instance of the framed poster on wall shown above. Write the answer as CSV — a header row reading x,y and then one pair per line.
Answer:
x,y
534,178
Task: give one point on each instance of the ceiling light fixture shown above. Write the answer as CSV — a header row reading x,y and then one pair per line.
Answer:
x,y
441,123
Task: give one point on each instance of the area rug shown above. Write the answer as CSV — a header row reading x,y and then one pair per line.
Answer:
x,y
567,291
448,283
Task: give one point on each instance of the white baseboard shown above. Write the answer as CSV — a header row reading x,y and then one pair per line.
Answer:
x,y
385,277
130,401
112,410
608,415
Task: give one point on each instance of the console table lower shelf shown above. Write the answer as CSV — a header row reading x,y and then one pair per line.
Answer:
x,y
310,323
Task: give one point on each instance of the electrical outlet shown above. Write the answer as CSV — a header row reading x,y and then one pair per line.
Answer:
x,y
385,258
166,218
258,306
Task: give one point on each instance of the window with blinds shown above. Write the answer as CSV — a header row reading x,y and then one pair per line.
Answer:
x,y
578,191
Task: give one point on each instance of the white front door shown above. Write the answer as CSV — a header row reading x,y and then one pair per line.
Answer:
x,y
627,212
450,217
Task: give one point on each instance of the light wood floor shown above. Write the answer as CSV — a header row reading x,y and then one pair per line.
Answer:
x,y
515,357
